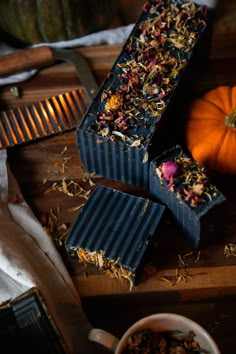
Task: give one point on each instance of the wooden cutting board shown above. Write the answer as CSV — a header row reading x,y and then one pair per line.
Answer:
x,y
38,165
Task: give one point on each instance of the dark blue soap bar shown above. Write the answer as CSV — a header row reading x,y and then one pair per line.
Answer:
x,y
115,136
113,231
180,183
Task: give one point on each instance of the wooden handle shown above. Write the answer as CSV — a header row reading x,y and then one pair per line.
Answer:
x,y
25,59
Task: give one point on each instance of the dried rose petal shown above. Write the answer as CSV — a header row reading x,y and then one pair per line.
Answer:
x,y
169,169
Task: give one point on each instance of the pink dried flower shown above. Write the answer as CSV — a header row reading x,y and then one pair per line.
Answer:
x,y
152,63
161,96
169,169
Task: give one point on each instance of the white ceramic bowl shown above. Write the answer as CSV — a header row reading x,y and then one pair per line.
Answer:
x,y
158,322
168,322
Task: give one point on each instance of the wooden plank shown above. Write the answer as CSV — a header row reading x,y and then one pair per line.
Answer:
x,y
202,283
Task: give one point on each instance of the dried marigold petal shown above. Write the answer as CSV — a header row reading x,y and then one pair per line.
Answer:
x,y
114,102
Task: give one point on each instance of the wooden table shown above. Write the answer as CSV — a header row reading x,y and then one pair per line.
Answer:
x,y
207,291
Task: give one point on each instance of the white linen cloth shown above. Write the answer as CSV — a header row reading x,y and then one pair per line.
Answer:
x,y
29,258
112,36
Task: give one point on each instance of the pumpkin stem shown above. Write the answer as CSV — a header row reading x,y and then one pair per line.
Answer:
x,y
230,119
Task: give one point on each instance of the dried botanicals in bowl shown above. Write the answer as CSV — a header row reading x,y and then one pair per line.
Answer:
x,y
173,342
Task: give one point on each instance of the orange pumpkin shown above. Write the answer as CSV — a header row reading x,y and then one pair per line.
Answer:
x,y
211,129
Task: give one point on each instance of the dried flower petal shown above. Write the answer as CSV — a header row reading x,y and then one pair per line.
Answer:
x,y
114,102
198,189
169,169
230,249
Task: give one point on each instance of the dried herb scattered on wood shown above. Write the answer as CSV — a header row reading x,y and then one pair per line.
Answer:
x,y
106,266
230,249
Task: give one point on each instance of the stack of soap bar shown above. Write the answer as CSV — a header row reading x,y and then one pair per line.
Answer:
x,y
181,183
113,232
116,133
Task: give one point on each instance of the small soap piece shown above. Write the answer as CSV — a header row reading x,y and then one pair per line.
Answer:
x,y
181,183
115,136
113,232
26,326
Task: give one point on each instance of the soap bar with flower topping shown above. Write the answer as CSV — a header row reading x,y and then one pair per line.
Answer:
x,y
181,183
113,232
115,135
